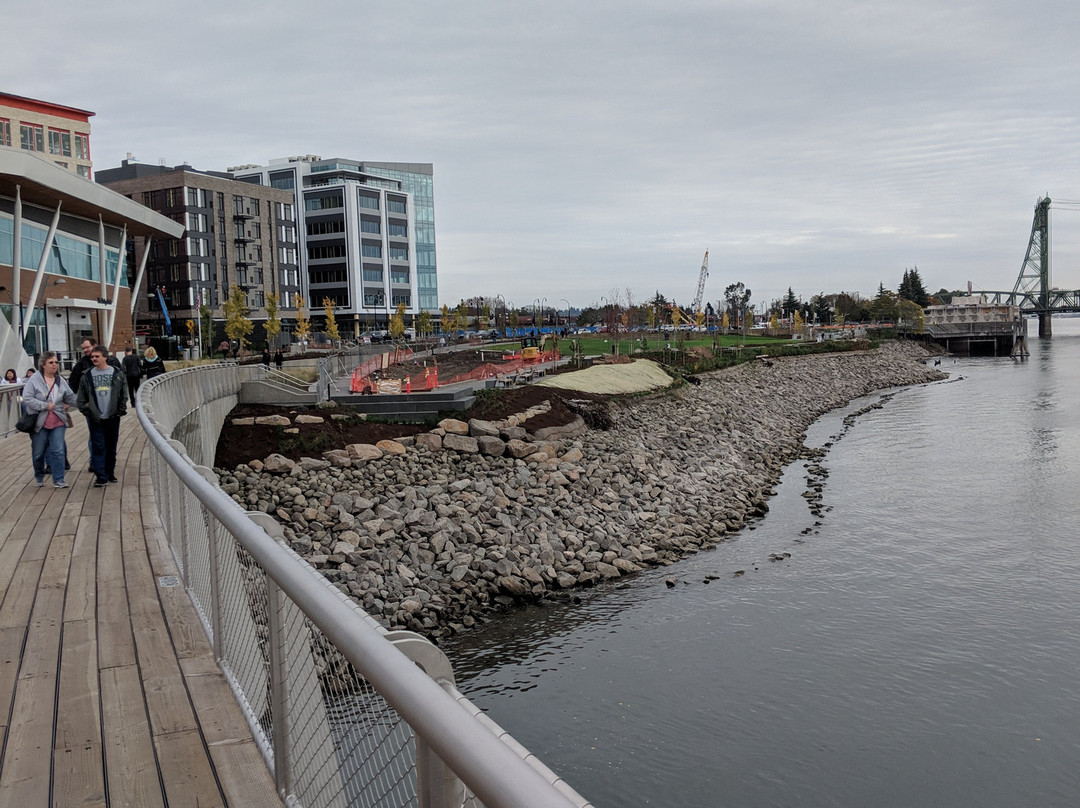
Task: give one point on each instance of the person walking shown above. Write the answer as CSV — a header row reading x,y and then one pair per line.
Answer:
x,y
151,365
132,373
102,398
86,345
266,357
49,396
279,360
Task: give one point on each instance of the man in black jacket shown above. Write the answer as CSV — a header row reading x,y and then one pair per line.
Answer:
x,y
133,372
82,366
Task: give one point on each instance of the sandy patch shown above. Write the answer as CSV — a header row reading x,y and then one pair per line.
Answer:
x,y
635,377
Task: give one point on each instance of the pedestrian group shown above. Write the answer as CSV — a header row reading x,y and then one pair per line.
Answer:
x,y
101,387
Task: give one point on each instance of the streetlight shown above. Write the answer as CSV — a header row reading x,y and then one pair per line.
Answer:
x,y
536,310
542,314
567,302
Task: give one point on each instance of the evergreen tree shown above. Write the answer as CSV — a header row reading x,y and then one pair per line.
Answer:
x,y
791,304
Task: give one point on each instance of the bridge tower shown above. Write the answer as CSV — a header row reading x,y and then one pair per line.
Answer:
x,y
1035,271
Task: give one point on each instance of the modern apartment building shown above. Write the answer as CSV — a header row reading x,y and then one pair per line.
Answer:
x,y
367,240
59,133
236,234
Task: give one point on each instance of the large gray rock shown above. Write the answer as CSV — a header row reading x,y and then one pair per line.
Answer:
x,y
452,426
480,428
491,446
460,443
278,464
362,452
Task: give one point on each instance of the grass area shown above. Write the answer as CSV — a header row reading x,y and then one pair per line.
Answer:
x,y
595,344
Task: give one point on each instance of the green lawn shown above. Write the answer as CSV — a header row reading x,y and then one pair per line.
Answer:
x,y
593,344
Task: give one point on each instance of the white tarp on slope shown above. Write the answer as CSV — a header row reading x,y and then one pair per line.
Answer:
x,y
634,377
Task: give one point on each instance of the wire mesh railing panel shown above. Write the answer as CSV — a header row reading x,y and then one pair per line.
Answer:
x,y
324,688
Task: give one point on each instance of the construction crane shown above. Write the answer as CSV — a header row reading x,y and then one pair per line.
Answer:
x,y
696,306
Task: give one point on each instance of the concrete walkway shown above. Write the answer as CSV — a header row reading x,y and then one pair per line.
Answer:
x,y
110,692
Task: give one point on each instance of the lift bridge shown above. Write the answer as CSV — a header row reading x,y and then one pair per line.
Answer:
x,y
1033,293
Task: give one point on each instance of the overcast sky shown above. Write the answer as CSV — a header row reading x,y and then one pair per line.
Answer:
x,y
586,147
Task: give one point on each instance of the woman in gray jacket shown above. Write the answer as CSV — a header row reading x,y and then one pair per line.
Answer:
x,y
47,394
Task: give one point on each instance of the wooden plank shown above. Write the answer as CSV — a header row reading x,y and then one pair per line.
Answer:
x,y
168,703
186,771
79,777
41,654
24,779
188,634
81,603
10,554
11,644
219,714
116,645
19,598
129,751
78,719
244,776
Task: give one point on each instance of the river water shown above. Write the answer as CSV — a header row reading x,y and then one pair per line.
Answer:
x,y
919,647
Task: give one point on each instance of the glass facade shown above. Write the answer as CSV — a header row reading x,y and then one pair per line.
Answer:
x,y
422,187
70,257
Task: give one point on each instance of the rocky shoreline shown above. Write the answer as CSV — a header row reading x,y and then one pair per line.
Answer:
x,y
432,535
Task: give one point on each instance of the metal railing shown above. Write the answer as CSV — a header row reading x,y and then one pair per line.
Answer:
x,y
346,713
10,407
333,367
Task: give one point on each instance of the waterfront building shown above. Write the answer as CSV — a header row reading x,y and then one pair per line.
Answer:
x,y
59,292
367,240
57,132
236,235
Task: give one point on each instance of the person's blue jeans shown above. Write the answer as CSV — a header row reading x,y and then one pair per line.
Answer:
x,y
48,449
104,435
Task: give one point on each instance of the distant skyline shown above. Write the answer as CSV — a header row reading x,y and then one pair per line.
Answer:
x,y
582,148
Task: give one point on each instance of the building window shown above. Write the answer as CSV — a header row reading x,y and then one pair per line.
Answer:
x,y
325,227
399,276
32,137
84,171
60,142
399,253
399,230
369,202
5,132
323,202
371,251
82,146
373,275
399,298
370,226
395,205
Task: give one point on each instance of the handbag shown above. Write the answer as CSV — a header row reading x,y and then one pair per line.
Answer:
x,y
26,422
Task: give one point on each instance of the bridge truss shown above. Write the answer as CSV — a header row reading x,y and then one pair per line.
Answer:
x,y
1033,292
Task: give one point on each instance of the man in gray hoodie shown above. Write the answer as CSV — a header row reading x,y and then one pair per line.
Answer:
x,y
102,398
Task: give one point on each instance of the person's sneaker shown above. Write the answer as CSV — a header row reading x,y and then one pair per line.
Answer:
x,y
60,484
100,482
113,480
91,469
39,483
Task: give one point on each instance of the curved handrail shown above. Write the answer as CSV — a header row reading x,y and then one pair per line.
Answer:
x,y
488,766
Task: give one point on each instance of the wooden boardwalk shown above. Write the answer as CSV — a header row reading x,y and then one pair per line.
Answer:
x,y
110,692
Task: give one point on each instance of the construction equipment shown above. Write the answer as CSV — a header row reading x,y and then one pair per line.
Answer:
x,y
695,307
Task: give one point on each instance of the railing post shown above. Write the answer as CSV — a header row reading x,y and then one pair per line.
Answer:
x,y
279,722
216,618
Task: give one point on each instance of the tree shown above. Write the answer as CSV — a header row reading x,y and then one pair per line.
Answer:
x,y
424,324
446,323
273,322
912,316
737,298
397,322
461,317
790,304
911,288
515,321
237,324
774,321
821,308
884,307
303,324
331,320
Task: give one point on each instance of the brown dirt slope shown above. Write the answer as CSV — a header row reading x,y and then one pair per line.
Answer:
x,y
241,444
